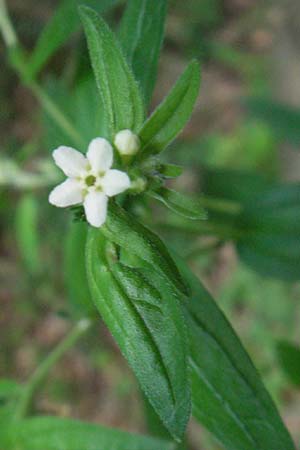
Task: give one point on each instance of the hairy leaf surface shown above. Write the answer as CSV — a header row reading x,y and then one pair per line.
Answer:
x,y
126,231
228,395
123,105
179,203
173,113
144,315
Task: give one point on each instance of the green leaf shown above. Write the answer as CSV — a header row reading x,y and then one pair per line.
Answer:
x,y
267,227
80,105
173,113
118,89
126,231
228,395
156,428
141,37
8,388
144,315
289,359
270,238
284,120
75,271
170,170
27,232
233,185
50,433
64,22
179,203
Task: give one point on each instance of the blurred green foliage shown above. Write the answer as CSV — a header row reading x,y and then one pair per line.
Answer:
x,y
239,165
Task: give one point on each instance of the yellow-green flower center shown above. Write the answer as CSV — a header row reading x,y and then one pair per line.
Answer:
x,y
90,180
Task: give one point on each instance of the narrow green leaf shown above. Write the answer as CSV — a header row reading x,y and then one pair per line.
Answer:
x,y
173,113
64,22
141,37
126,231
138,307
228,395
27,232
155,426
289,359
270,242
51,433
170,170
179,203
119,91
75,271
284,120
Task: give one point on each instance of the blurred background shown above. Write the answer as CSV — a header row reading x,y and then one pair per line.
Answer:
x,y
244,136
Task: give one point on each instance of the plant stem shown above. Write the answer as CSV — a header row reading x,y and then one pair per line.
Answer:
x,y
21,67
6,27
55,113
42,371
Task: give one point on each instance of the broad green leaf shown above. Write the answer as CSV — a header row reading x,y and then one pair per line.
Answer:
x,y
144,315
51,433
173,113
228,395
75,270
289,359
270,232
179,203
27,232
284,120
63,23
118,89
141,37
126,231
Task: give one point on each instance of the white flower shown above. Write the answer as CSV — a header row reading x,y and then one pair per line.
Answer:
x,y
127,143
90,179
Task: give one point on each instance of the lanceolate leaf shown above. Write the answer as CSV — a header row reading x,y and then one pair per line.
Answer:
x,y
27,232
179,203
50,433
141,36
270,242
228,395
173,113
283,119
75,271
63,23
289,359
126,231
119,91
146,320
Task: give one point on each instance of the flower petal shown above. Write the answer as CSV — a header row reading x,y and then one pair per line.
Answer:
x,y
100,155
95,207
114,182
70,161
66,194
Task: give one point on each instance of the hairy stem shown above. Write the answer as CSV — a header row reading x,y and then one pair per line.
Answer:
x,y
42,371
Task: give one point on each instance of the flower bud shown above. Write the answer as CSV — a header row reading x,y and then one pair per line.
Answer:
x,y
127,143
